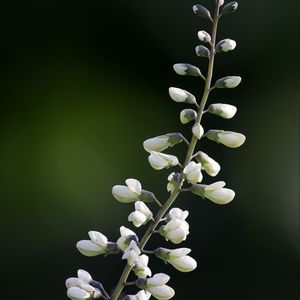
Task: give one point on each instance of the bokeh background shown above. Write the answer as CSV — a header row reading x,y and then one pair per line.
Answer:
x,y
83,83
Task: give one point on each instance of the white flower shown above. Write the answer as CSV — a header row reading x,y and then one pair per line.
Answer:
x,y
141,268
180,95
141,215
192,172
214,192
225,111
175,230
132,253
95,246
228,138
159,161
80,288
211,167
156,285
186,69
178,258
187,115
228,82
226,45
198,131
127,236
141,295
129,193
162,142
204,36
177,213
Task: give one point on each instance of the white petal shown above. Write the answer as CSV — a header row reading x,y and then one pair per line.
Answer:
x,y
84,275
158,279
98,238
231,139
163,292
179,252
126,232
88,248
137,218
158,143
184,264
123,194
76,293
215,186
143,208
134,185
221,196
72,282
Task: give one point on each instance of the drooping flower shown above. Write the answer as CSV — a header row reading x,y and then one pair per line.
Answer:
x,y
214,192
159,161
228,138
129,193
98,244
178,258
162,142
211,167
81,287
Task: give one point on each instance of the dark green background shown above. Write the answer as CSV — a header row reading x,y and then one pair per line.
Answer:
x,y
83,83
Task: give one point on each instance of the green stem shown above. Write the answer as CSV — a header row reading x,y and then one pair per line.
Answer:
x,y
188,158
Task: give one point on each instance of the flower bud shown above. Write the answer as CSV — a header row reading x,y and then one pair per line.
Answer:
x,y
192,172
198,131
228,82
141,295
127,236
211,167
141,215
180,95
129,193
178,258
226,45
225,111
173,179
202,51
141,268
162,142
177,213
187,115
204,36
228,138
214,192
202,11
159,161
187,70
132,253
229,8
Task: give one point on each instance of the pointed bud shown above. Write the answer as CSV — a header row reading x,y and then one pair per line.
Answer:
x,y
225,111
192,172
159,161
226,45
229,8
186,70
202,51
187,115
162,142
204,36
228,82
198,131
228,138
180,95
202,11
211,167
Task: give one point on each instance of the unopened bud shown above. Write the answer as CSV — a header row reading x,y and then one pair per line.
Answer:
x,y
202,51
225,111
226,45
229,8
187,115
186,70
228,82
202,11
204,36
198,131
228,138
179,95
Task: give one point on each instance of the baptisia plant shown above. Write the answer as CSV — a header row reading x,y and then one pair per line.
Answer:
x,y
189,176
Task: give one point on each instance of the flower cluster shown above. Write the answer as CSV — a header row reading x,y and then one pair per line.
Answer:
x,y
170,223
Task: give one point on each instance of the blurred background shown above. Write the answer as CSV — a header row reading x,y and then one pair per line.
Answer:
x,y
84,83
